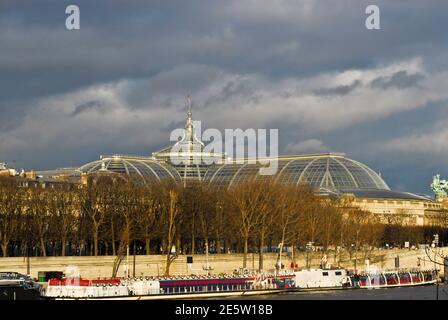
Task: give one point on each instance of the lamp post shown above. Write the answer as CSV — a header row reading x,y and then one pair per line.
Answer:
x,y
436,242
356,251
352,249
28,245
280,246
127,261
133,261
437,253
308,248
207,265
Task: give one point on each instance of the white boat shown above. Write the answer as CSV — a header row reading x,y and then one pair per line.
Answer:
x,y
187,287
177,287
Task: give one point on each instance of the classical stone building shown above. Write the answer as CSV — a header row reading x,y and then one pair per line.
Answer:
x,y
398,207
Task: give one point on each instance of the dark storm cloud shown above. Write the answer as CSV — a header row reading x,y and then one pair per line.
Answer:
x,y
233,88
400,79
91,105
137,39
180,80
340,90
225,53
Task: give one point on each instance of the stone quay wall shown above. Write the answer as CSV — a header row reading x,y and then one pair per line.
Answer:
x,y
153,265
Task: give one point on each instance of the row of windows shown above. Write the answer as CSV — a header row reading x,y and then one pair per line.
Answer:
x,y
399,202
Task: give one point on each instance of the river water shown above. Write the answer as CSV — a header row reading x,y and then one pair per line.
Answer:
x,y
404,293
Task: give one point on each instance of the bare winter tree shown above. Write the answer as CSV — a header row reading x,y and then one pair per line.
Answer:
x,y
97,202
250,200
361,230
288,212
64,204
331,223
127,202
149,203
169,222
205,214
267,213
10,212
41,216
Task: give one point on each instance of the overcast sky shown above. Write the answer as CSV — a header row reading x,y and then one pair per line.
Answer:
x,y
309,68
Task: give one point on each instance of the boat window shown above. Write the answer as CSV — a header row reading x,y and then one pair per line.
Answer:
x,y
325,273
338,273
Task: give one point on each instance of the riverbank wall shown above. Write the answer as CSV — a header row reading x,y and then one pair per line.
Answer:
x,y
153,265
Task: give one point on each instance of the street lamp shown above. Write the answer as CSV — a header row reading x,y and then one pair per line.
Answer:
x,y
308,248
356,250
436,242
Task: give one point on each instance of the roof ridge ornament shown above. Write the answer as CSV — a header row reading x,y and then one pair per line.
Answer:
x,y
189,126
188,102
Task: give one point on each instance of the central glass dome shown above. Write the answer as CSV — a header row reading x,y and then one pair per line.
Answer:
x,y
325,171
184,162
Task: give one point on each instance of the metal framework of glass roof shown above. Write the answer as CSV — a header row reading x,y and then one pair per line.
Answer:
x,y
328,171
146,169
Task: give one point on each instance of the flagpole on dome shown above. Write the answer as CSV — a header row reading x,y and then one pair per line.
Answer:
x,y
188,104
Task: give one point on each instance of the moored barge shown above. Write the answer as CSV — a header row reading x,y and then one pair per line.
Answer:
x,y
178,287
194,286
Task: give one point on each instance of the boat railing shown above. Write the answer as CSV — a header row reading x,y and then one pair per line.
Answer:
x,y
395,277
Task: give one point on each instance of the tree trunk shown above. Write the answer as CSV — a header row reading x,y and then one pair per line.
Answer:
x,y
218,245
167,264
148,246
63,245
246,240
178,246
42,247
5,249
206,255
192,236
113,237
282,242
335,254
133,260
168,261
261,253
293,257
95,241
